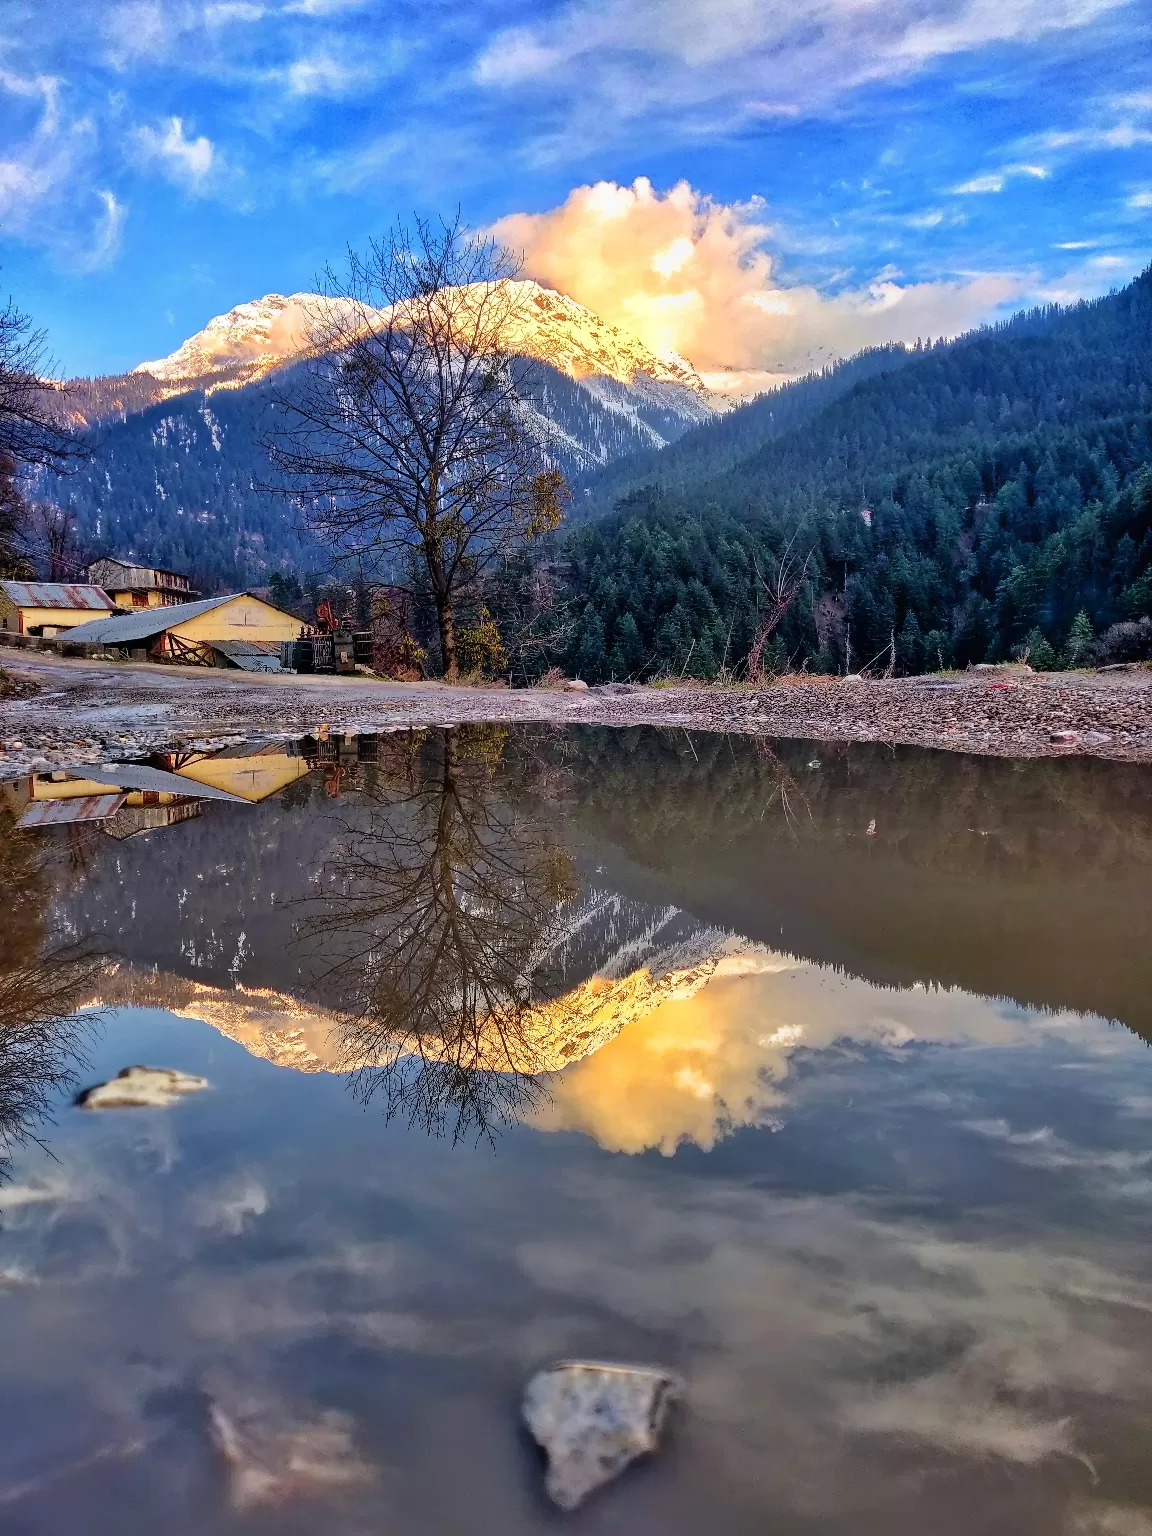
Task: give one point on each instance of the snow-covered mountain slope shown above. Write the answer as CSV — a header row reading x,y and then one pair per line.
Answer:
x,y
179,474
542,324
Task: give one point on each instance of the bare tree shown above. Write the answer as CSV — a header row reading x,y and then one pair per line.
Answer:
x,y
15,564
780,590
53,543
34,429
406,438
435,929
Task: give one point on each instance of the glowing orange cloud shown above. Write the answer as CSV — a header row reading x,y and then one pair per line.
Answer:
x,y
691,276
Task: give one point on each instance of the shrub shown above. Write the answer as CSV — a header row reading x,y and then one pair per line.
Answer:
x,y
1131,641
480,649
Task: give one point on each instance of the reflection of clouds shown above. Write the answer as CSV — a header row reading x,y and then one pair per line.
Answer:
x,y
817,1330
230,1207
693,1069
840,1352
1116,1170
1109,1520
275,1455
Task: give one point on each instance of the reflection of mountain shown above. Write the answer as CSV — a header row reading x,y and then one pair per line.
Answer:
x,y
1022,879
1025,880
695,1069
669,960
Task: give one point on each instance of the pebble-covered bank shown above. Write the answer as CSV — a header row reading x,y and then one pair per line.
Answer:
x,y
88,712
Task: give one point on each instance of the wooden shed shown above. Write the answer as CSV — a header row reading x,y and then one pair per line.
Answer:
x,y
47,607
191,633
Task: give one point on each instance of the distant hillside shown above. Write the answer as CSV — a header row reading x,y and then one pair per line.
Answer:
x,y
177,466
722,441
969,500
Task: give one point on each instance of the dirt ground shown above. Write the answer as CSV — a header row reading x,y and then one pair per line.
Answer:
x,y
85,711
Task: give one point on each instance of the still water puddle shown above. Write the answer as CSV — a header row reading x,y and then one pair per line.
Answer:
x,y
816,1074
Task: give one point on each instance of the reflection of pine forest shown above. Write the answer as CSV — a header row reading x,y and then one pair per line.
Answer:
x,y
430,896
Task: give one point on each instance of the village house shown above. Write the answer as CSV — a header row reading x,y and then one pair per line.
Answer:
x,y
140,586
50,607
239,630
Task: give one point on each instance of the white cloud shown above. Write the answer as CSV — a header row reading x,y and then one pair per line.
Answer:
x,y
980,184
998,180
693,276
137,30
185,160
1140,200
625,57
323,75
47,195
107,234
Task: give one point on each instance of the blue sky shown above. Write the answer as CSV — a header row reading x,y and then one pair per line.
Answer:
x,y
847,168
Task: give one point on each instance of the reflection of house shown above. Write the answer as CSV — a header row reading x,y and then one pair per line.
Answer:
x,y
47,607
124,798
198,634
140,586
251,775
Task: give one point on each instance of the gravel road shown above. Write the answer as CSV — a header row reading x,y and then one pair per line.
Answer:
x,y
89,711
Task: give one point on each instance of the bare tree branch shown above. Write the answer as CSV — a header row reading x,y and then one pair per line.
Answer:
x,y
405,434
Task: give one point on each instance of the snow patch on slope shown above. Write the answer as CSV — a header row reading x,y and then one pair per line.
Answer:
x,y
254,337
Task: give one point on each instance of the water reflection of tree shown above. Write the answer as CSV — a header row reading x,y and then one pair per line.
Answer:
x,y
42,983
435,926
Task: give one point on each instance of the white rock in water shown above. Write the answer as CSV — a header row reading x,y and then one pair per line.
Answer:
x,y
141,1088
593,1418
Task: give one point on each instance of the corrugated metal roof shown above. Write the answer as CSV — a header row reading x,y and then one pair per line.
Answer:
x,y
141,776
58,594
60,813
249,655
144,625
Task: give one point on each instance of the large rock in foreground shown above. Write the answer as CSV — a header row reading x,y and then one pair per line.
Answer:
x,y
141,1088
593,1418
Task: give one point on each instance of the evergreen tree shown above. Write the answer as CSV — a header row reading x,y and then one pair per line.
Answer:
x,y
910,648
1039,653
1081,642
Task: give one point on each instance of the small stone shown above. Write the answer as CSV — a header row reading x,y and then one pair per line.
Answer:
x,y
593,1419
141,1088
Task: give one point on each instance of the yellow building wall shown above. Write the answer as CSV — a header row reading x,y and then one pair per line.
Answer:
x,y
58,618
252,778
45,788
127,599
244,618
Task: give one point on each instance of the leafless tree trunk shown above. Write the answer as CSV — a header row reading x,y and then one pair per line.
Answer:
x,y
405,435
780,590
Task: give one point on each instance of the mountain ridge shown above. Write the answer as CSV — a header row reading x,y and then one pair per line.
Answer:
x,y
259,335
